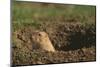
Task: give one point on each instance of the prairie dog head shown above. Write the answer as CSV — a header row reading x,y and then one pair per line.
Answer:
x,y
39,36
42,40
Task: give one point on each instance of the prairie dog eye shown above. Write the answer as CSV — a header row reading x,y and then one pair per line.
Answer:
x,y
39,34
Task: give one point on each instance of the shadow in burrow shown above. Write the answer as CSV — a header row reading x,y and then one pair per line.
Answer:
x,y
72,37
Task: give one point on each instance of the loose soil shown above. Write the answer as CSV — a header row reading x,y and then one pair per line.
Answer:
x,y
74,42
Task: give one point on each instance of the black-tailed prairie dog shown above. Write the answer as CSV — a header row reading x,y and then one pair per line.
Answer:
x,y
41,41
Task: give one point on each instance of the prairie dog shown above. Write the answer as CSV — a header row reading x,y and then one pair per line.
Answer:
x,y
41,41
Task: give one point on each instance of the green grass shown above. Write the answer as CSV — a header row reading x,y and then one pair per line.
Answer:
x,y
35,13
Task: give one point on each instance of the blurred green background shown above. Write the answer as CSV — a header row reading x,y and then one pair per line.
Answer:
x,y
32,14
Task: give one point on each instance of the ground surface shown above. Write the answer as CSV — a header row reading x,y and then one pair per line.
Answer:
x,y
76,47
71,29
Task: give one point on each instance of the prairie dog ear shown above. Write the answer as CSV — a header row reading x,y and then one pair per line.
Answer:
x,y
44,34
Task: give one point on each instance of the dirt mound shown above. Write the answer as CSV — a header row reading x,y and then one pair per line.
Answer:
x,y
73,43
44,57
68,36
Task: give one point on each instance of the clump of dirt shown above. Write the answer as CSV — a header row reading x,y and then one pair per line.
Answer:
x,y
73,43
44,57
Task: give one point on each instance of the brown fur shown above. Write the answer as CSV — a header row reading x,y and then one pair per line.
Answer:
x,y
41,41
